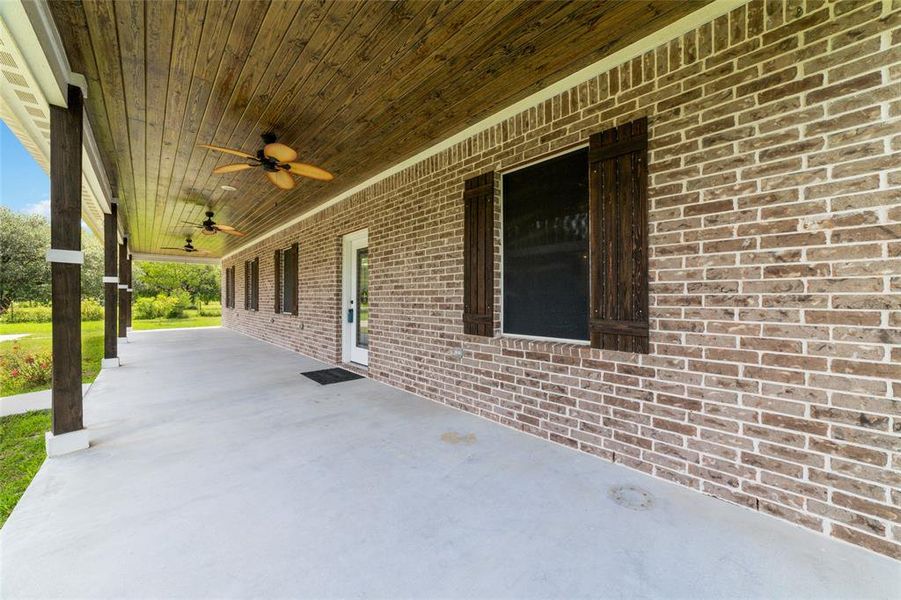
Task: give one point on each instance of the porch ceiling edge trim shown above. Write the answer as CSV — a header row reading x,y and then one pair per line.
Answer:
x,y
172,258
34,36
703,15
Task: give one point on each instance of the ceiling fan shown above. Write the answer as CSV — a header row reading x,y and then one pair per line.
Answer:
x,y
277,160
210,227
188,247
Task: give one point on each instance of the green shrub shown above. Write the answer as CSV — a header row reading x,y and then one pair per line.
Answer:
x,y
214,310
91,310
143,308
28,312
162,307
33,369
40,312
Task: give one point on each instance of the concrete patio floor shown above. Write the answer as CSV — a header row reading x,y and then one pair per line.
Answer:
x,y
218,471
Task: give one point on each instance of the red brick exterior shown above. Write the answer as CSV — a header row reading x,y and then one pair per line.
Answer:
x,y
775,368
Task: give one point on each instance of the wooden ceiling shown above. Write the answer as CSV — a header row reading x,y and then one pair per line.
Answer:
x,y
354,86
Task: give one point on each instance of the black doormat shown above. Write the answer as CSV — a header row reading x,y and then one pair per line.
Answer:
x,y
327,376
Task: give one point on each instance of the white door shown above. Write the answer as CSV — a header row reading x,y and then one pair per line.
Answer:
x,y
356,298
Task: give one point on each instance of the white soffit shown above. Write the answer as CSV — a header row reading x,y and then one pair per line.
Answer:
x,y
30,79
664,35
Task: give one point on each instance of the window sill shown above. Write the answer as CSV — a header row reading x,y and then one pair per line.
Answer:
x,y
516,342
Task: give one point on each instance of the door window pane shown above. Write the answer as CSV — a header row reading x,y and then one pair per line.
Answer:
x,y
546,248
363,298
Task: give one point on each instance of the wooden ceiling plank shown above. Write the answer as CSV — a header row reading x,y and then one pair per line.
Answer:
x,y
301,29
214,30
319,80
266,59
536,71
160,29
185,49
326,35
101,22
241,40
130,30
522,20
567,28
397,60
516,30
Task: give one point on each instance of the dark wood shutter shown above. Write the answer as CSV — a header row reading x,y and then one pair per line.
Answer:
x,y
255,276
290,275
248,285
228,287
232,282
478,255
618,160
277,294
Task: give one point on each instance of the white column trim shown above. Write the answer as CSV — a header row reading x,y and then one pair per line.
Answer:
x,y
66,443
108,279
122,286
70,257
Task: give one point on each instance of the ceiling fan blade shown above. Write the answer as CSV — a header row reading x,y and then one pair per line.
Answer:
x,y
171,248
227,151
230,230
281,179
280,152
310,171
231,168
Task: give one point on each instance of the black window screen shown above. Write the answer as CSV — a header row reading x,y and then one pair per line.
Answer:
x,y
546,248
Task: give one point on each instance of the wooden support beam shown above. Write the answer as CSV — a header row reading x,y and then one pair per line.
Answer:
x,y
123,289
65,256
110,283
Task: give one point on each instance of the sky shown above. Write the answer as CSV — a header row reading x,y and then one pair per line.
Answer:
x,y
24,187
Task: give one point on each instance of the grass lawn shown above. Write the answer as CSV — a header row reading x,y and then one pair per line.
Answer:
x,y
39,340
21,455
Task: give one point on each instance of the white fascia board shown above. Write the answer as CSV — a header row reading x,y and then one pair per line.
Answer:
x,y
678,28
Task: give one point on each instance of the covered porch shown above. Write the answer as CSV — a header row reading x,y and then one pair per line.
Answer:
x,y
239,477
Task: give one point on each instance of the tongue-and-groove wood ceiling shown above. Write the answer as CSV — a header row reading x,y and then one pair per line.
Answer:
x,y
354,86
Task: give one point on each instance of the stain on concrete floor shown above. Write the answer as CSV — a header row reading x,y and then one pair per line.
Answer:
x,y
452,437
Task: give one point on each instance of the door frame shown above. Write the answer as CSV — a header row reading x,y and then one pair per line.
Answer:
x,y
350,243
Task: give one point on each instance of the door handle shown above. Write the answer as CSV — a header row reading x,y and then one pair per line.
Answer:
x,y
350,315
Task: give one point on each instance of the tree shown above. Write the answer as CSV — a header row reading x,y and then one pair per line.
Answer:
x,y
24,270
201,282
92,269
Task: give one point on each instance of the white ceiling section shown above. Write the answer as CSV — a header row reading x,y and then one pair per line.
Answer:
x,y
33,73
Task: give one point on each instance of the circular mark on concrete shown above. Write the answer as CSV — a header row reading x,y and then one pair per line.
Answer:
x,y
631,497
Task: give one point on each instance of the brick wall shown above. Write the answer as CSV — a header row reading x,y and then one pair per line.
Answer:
x,y
775,368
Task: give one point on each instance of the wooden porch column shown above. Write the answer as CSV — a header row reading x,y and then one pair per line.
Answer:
x,y
110,287
65,259
123,289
